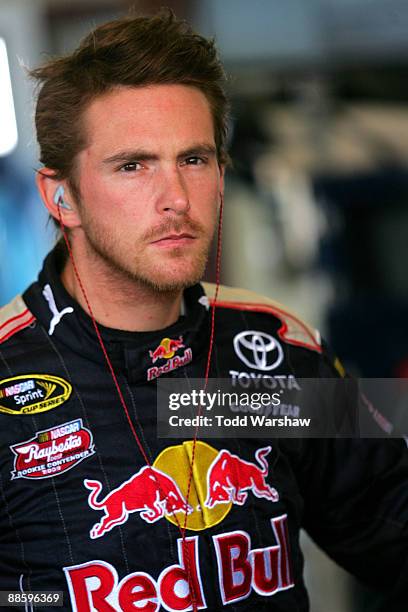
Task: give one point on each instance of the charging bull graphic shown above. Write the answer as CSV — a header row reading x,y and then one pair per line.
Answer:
x,y
160,491
166,349
230,477
149,491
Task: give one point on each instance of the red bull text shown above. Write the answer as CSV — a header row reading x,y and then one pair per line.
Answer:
x,y
95,585
166,350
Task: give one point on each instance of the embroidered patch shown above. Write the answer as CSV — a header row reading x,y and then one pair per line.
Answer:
x,y
166,351
53,451
221,480
32,393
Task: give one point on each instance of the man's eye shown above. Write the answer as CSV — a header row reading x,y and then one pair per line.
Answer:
x,y
130,167
195,161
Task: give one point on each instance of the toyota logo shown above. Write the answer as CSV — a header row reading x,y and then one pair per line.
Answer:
x,y
258,350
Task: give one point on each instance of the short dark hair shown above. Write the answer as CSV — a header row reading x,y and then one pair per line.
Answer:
x,y
133,51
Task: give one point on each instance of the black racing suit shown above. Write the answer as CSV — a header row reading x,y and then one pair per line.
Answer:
x,y
80,511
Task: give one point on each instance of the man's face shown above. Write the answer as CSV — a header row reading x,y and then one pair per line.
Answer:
x,y
150,184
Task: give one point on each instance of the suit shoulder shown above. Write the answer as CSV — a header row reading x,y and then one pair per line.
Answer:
x,y
14,317
293,329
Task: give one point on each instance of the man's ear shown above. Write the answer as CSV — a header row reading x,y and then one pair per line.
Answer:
x,y
222,176
57,197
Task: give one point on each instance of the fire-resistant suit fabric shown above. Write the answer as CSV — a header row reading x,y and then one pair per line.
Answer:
x,y
82,513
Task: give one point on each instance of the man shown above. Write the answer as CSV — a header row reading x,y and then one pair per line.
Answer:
x,y
132,129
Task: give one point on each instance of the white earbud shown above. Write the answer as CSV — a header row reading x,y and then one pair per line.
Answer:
x,y
59,198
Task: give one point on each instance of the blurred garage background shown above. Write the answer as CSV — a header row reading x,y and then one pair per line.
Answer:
x,y
317,201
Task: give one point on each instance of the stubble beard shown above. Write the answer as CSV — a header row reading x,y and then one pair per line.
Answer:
x,y
168,272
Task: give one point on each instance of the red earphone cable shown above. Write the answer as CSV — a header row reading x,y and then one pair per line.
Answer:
x,y
211,344
182,529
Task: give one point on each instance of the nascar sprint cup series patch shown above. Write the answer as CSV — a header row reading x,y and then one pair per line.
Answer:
x,y
33,393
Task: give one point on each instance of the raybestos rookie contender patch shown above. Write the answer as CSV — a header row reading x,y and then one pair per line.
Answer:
x,y
52,451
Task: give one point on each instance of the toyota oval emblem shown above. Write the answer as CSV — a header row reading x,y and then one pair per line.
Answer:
x,y
258,350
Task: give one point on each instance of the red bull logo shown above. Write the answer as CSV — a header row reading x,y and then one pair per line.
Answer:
x,y
230,478
242,570
221,479
167,350
150,492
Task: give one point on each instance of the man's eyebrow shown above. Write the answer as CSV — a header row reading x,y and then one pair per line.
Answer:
x,y
198,149
131,155
144,155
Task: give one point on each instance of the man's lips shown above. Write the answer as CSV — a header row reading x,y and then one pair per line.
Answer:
x,y
174,240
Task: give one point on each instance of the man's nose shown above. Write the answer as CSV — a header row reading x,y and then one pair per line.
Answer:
x,y
174,195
